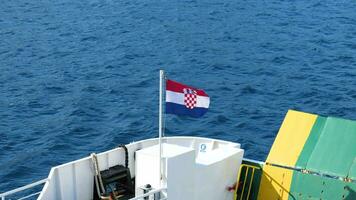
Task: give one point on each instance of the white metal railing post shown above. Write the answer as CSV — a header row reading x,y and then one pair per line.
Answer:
x,y
160,124
3,195
149,194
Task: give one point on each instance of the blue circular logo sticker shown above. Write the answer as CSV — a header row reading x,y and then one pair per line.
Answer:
x,y
203,148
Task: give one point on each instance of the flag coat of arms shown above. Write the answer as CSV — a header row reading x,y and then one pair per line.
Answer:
x,y
185,100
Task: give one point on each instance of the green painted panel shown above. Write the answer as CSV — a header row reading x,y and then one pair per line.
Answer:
x,y
329,149
350,191
311,142
308,186
333,189
335,151
352,172
305,186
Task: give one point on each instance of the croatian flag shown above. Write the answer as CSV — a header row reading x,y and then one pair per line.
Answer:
x,y
185,100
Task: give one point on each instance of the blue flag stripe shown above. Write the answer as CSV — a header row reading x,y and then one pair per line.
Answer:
x,y
178,109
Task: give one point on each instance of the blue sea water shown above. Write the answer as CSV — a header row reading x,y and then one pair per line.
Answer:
x,y
82,76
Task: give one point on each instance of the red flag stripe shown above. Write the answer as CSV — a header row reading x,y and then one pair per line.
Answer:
x,y
178,87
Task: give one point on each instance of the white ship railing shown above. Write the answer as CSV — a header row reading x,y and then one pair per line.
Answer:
x,y
29,186
26,187
151,194
40,182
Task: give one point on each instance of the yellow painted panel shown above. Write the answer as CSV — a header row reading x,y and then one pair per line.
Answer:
x,y
291,138
275,183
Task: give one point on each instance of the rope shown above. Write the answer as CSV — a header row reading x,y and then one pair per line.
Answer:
x,y
126,155
98,179
97,174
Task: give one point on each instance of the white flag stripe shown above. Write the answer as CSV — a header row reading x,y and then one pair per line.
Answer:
x,y
178,98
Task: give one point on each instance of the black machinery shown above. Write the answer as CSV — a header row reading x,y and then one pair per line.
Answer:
x,y
114,183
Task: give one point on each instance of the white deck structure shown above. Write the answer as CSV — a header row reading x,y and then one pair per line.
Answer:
x,y
193,168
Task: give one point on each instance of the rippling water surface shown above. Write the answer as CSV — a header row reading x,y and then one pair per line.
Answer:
x,y
82,76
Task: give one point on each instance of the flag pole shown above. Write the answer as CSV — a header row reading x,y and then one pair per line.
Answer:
x,y
160,125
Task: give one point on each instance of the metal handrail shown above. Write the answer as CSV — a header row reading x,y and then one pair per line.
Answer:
x,y
315,173
150,193
30,195
31,185
11,192
248,167
303,170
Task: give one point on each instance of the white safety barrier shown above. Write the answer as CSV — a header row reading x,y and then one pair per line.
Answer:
x,y
20,189
151,194
40,182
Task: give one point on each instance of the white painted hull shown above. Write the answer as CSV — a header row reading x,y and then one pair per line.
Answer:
x,y
75,180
